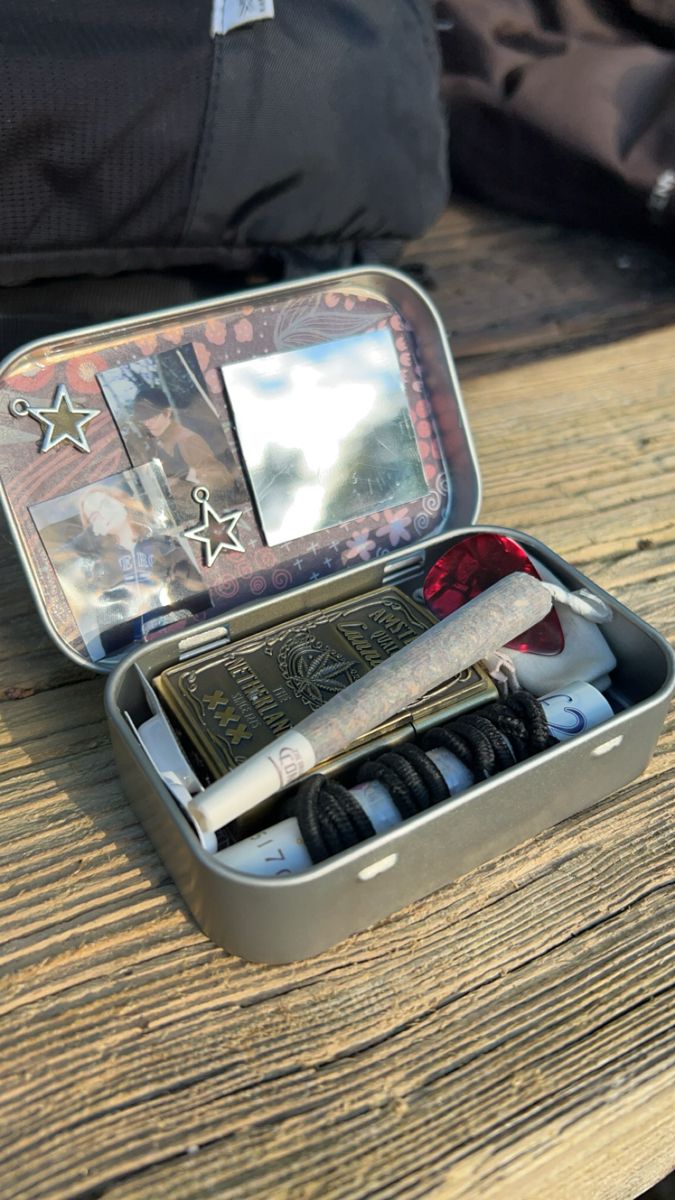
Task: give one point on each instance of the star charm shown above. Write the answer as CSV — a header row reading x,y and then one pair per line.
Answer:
x,y
63,422
214,540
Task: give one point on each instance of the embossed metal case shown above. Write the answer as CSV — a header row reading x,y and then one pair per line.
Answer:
x,y
287,918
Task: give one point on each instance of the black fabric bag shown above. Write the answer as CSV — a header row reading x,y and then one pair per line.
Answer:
x,y
565,109
133,139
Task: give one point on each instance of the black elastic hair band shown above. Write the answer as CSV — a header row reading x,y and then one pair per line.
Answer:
x,y
486,741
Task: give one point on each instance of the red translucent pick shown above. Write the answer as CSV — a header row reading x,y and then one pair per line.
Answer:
x,y
471,567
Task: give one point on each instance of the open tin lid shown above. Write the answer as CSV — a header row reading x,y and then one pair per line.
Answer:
x,y
160,471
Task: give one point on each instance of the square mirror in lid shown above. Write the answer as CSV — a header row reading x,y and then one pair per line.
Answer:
x,y
160,472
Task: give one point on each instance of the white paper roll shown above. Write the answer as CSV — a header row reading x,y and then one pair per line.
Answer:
x,y
575,709
280,850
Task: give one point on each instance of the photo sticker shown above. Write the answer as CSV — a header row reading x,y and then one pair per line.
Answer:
x,y
117,552
163,411
325,434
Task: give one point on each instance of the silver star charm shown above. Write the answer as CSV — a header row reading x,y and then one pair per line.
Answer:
x,y
203,533
61,423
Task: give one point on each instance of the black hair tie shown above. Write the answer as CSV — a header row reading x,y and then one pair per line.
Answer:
x,y
403,782
436,786
486,741
330,818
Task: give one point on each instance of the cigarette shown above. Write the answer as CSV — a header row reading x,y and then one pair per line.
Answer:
x,y
501,613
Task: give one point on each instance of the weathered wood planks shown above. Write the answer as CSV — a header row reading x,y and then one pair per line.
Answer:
x,y
510,290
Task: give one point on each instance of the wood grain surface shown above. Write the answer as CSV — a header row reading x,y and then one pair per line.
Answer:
x,y
511,290
511,1036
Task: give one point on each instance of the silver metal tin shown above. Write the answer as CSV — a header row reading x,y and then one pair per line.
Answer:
x,y
284,919
281,920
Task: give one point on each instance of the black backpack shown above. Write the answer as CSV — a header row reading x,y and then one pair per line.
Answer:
x,y
136,138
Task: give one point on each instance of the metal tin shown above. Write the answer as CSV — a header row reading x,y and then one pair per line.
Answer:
x,y
282,919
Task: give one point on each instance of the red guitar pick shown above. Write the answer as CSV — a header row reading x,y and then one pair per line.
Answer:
x,y
473,565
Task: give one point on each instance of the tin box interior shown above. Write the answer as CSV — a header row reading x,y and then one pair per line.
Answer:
x,y
282,919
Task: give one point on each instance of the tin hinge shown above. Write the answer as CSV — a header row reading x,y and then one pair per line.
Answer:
x,y
207,639
406,568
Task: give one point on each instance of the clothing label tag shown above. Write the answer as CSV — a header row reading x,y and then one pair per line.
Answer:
x,y
228,14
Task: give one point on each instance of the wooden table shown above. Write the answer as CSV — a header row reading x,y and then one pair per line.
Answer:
x,y
510,1036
